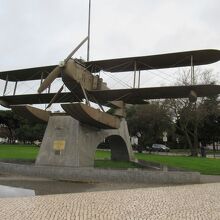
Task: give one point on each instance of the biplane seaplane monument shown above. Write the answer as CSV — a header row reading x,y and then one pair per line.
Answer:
x,y
71,137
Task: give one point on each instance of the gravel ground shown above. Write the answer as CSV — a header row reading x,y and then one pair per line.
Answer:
x,y
175,202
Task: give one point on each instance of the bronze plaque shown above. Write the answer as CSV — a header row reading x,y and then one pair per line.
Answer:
x,y
59,145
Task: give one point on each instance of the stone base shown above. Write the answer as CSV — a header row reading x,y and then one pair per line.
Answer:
x,y
96,175
67,142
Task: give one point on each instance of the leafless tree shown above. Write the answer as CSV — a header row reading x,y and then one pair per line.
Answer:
x,y
187,116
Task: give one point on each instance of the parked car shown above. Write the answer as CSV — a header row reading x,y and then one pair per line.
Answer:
x,y
160,148
138,148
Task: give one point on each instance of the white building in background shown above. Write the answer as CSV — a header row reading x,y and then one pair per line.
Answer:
x,y
217,146
3,140
134,140
4,132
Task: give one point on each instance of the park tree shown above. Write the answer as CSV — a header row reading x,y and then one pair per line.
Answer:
x,y
21,129
9,121
28,132
189,116
150,120
209,131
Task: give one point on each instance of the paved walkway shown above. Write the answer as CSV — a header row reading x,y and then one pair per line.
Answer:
x,y
175,202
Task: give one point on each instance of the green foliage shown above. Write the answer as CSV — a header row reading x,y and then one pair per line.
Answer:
x,y
209,130
20,128
195,122
29,132
150,120
10,121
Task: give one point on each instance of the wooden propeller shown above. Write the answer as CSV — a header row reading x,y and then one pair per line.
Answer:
x,y
57,70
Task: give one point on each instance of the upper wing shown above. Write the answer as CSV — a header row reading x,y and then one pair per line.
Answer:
x,y
181,59
169,60
135,95
27,74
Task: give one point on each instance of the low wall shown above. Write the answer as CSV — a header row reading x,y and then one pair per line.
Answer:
x,y
102,175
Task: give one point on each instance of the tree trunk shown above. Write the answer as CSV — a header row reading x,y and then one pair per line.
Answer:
x,y
188,139
194,151
213,143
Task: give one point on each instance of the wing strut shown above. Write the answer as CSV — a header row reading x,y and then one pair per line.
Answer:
x,y
192,72
84,93
15,88
139,78
135,70
55,97
6,85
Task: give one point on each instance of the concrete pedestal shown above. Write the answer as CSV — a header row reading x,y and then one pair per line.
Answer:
x,y
67,142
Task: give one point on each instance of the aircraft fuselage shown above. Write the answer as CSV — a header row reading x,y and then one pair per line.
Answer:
x,y
78,74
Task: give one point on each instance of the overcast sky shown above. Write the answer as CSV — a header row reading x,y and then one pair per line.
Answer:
x,y
43,32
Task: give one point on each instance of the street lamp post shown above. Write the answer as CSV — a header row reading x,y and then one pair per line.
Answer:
x,y
89,20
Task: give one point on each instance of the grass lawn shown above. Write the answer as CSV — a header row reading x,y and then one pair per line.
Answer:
x,y
202,165
102,160
208,151
25,152
102,154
